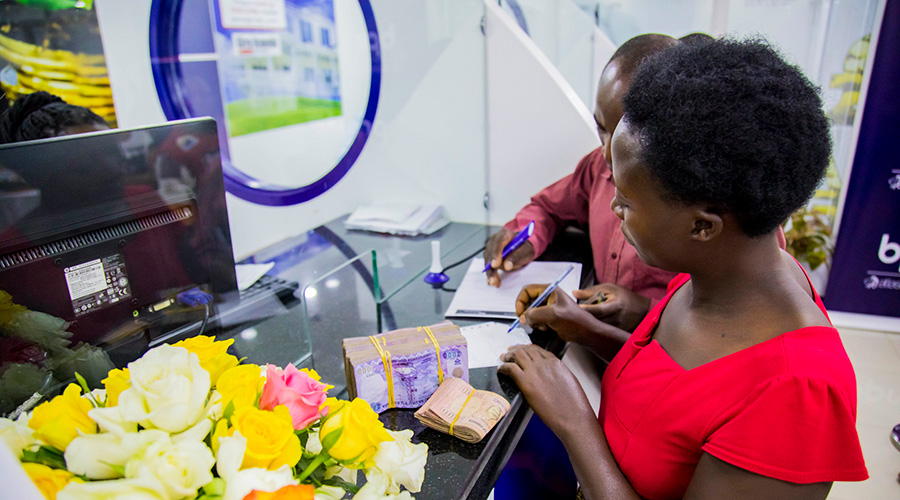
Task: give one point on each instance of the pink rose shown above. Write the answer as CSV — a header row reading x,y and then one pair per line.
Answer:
x,y
295,389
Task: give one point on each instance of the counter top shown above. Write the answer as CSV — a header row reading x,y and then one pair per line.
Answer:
x,y
346,292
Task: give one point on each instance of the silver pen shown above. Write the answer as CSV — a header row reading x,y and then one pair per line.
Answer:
x,y
543,296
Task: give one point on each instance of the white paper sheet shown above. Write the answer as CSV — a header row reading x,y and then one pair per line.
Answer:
x,y
476,299
247,274
487,341
398,218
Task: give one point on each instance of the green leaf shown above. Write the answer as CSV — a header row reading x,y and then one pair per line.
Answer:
x,y
216,487
87,390
304,437
337,481
46,455
229,411
118,469
331,439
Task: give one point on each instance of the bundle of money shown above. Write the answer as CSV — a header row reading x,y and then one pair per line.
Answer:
x,y
402,368
460,410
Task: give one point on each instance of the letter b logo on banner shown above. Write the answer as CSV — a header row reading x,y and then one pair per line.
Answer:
x,y
888,251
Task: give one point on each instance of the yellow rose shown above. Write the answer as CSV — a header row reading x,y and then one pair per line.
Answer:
x,y
48,480
213,354
240,385
351,432
271,442
57,422
116,382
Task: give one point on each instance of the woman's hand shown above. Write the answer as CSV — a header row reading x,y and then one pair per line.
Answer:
x,y
549,387
560,314
619,307
518,258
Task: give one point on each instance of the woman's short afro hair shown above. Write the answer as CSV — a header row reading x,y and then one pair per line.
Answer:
x,y
729,123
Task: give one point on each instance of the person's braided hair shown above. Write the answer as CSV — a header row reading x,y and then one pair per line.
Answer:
x,y
40,115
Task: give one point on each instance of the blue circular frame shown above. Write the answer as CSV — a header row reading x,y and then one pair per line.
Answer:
x,y
164,22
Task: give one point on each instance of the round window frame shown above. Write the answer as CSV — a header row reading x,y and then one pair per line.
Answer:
x,y
164,23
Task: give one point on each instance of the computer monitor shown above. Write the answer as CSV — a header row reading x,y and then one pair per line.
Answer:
x,y
105,229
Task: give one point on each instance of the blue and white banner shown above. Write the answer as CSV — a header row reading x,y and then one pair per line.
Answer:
x,y
865,273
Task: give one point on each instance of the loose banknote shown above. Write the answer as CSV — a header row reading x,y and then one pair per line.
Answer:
x,y
462,411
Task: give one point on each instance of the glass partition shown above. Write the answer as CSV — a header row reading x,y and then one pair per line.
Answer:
x,y
827,39
346,280
568,34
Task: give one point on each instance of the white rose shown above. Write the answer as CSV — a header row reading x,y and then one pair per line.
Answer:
x,y
196,433
111,420
119,489
181,467
402,462
101,456
238,483
230,455
342,472
96,456
375,489
16,434
168,390
329,493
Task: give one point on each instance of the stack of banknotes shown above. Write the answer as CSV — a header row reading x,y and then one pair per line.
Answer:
x,y
460,410
402,368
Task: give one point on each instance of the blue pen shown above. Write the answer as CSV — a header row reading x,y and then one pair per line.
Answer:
x,y
543,296
514,243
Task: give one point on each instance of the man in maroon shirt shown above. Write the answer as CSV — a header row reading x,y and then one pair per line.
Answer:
x,y
582,199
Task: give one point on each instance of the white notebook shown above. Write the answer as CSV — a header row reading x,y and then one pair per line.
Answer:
x,y
476,299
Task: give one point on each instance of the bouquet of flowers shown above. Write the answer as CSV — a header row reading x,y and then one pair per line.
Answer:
x,y
188,421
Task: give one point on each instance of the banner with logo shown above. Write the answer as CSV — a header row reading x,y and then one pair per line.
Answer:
x,y
865,273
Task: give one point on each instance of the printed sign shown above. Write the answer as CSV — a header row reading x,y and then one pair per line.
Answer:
x,y
253,14
865,273
256,44
284,72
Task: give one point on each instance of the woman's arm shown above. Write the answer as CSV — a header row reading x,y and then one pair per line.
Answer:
x,y
558,399
715,478
556,396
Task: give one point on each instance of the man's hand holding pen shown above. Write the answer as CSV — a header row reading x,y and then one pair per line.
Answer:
x,y
518,255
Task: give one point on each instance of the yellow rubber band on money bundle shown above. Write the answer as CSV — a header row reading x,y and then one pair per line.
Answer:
x,y
460,411
386,361
437,352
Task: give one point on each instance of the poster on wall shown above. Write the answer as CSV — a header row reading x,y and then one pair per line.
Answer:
x,y
54,46
278,62
865,273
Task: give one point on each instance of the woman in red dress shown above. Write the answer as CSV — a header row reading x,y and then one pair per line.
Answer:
x,y
736,385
